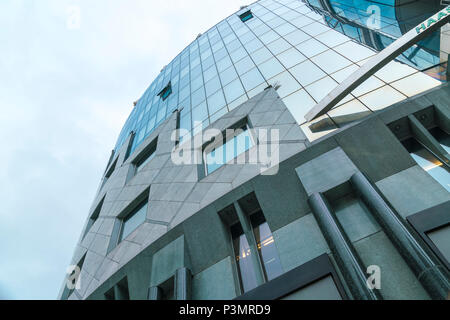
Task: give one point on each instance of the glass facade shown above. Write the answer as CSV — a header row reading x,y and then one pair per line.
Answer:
x,y
379,23
289,44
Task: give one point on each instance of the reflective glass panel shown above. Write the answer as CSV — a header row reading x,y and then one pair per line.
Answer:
x,y
424,158
442,137
266,247
132,221
229,150
245,264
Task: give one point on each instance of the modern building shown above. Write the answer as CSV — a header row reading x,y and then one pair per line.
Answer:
x,y
354,204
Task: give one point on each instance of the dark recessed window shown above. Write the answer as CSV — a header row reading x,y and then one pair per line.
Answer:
x,y
67,292
247,15
111,169
166,91
109,173
145,156
119,292
133,220
267,252
94,216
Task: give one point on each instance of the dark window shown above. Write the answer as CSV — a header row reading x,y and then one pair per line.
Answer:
x,y
109,173
164,93
119,292
167,289
111,169
67,292
94,216
145,157
247,15
428,161
267,252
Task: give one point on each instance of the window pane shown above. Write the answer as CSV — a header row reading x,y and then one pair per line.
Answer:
x,y
199,113
215,102
246,267
233,91
212,86
442,137
226,152
252,79
228,75
198,96
146,159
244,65
267,250
428,162
133,221
440,238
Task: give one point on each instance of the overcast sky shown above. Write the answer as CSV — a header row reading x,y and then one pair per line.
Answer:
x,y
66,88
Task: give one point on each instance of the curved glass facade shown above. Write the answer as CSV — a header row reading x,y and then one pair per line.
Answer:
x,y
285,43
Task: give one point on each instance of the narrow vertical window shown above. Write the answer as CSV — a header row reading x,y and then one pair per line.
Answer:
x,y
94,216
257,259
246,266
266,246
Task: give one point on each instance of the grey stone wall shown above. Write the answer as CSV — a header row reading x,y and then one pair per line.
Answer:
x,y
183,227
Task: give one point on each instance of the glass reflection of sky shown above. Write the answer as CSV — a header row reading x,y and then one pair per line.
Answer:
x,y
378,25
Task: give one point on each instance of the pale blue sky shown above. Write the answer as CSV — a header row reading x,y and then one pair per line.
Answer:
x,y
65,92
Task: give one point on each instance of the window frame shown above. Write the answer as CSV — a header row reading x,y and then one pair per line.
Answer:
x,y
297,279
94,216
214,143
124,219
166,92
245,16
143,157
429,220
253,226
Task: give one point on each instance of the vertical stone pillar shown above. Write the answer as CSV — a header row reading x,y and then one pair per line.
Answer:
x,y
346,256
433,277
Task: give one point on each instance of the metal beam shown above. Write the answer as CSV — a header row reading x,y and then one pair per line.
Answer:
x,y
379,61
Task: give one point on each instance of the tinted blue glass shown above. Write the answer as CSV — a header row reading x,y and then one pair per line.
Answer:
x,y
272,24
133,221
228,151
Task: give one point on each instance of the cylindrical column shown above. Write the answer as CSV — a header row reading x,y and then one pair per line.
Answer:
x,y
342,249
154,293
182,284
433,276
